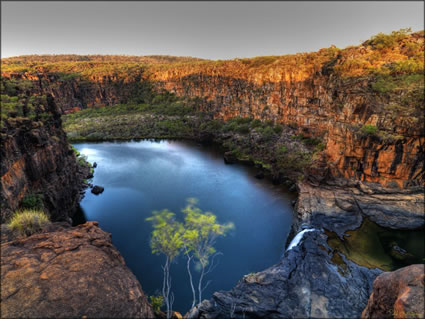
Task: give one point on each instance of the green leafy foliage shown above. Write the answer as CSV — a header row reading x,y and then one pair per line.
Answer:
x,y
167,236
368,130
201,231
385,41
157,302
32,201
28,222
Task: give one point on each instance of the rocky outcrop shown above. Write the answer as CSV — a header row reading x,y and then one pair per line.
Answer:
x,y
36,159
305,284
68,272
397,294
341,204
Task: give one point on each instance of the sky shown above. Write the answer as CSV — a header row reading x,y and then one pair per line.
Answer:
x,y
210,30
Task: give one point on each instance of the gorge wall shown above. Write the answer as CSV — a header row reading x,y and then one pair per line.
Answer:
x,y
371,132
364,102
37,161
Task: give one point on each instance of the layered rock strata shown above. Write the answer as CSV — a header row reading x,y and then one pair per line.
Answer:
x,y
36,159
329,94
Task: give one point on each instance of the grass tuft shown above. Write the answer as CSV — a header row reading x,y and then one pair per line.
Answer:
x,y
28,222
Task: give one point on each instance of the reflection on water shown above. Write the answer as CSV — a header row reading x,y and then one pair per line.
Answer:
x,y
374,246
143,176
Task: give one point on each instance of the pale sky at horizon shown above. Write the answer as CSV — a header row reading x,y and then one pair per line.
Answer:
x,y
211,30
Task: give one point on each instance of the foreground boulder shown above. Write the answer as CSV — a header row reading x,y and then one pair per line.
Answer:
x,y
397,294
68,272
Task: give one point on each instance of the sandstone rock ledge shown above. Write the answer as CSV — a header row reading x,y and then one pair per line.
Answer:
x,y
397,294
68,272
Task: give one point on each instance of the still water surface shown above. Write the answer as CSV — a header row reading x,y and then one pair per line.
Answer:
x,y
142,176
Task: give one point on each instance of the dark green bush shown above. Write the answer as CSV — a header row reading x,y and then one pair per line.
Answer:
x,y
368,130
32,201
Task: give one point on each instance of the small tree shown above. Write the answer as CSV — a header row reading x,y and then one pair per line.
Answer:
x,y
167,239
201,231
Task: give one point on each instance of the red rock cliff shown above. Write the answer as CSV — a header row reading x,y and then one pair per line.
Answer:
x,y
360,100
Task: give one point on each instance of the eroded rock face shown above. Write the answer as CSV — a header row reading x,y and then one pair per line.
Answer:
x,y
69,273
310,91
397,294
341,205
36,158
304,284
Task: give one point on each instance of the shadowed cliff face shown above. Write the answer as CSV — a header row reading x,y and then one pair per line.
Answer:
x,y
37,159
330,94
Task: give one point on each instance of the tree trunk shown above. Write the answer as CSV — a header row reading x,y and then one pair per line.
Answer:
x,y
189,258
200,284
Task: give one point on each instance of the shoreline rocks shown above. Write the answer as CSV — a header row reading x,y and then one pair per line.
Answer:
x,y
97,189
306,283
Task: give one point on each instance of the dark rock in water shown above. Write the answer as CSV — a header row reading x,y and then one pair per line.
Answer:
x,y
97,190
306,283
69,272
94,165
399,253
397,294
229,158
259,175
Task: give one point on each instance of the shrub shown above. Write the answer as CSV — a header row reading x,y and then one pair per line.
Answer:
x,y
243,128
256,123
384,41
283,149
368,130
76,152
278,129
28,222
268,133
157,302
32,201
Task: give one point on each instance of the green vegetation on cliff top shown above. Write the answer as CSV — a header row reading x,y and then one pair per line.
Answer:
x,y
396,53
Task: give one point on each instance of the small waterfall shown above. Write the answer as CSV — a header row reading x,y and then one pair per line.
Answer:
x,y
298,238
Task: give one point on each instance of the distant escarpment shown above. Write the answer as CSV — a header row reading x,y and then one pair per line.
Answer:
x,y
38,166
365,102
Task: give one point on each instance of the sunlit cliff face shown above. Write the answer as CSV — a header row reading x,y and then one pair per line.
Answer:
x,y
330,94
